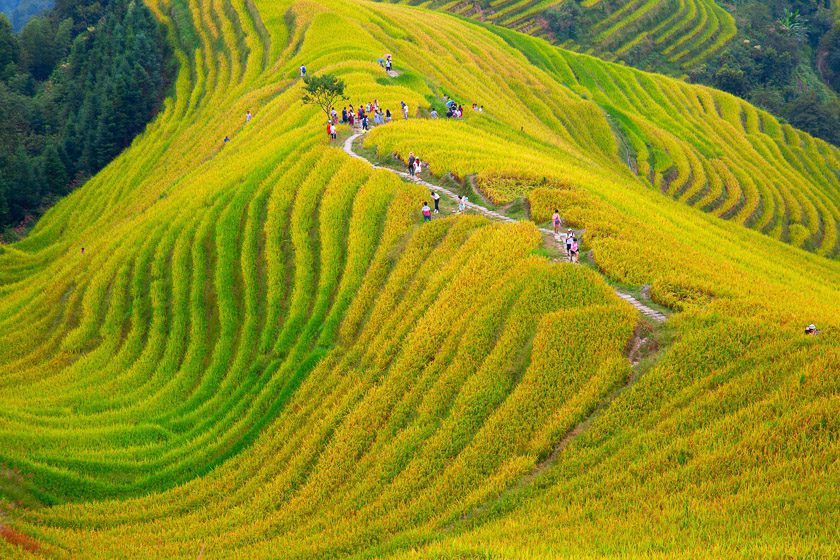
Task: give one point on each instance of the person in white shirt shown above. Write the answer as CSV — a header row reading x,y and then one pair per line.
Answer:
x,y
436,198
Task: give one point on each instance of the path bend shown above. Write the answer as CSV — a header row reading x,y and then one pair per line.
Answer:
x,y
348,149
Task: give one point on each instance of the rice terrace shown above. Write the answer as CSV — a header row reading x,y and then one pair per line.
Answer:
x,y
501,295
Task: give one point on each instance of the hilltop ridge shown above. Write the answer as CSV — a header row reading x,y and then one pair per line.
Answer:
x,y
263,349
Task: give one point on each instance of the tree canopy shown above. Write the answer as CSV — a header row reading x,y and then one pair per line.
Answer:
x,y
73,96
323,91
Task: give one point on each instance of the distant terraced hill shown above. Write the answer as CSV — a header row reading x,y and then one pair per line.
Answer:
x,y
263,351
681,33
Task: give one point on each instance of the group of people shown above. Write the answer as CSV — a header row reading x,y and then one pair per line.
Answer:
x,y
455,110
572,248
386,63
427,211
361,117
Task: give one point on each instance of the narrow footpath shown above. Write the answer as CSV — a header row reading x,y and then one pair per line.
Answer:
x,y
348,148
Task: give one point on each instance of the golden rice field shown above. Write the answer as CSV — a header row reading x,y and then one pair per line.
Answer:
x,y
264,353
682,32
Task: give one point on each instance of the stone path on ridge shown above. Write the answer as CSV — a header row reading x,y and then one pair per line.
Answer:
x,y
348,149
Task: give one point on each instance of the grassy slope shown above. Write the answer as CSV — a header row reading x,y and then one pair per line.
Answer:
x,y
276,304
670,33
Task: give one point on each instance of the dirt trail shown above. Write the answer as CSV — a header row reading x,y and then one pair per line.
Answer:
x,y
558,239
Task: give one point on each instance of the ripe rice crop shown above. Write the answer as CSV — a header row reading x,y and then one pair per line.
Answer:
x,y
682,32
265,352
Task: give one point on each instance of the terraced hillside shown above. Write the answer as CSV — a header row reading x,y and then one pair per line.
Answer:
x,y
262,351
681,32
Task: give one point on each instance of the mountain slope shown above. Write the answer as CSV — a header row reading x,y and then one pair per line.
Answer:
x,y
19,11
678,33
263,351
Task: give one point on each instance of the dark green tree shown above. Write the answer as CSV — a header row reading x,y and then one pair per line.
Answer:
x,y
822,119
39,51
8,45
324,91
53,171
828,58
23,189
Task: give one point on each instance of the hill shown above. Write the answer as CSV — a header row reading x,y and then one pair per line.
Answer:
x,y
777,55
670,33
19,11
262,349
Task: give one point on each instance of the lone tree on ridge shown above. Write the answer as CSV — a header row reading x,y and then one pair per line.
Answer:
x,y
323,91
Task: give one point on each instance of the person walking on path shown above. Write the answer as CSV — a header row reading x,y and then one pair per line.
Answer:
x,y
411,160
333,131
436,198
427,212
344,116
570,236
404,109
365,123
556,221
573,254
329,130
387,115
418,166
462,204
